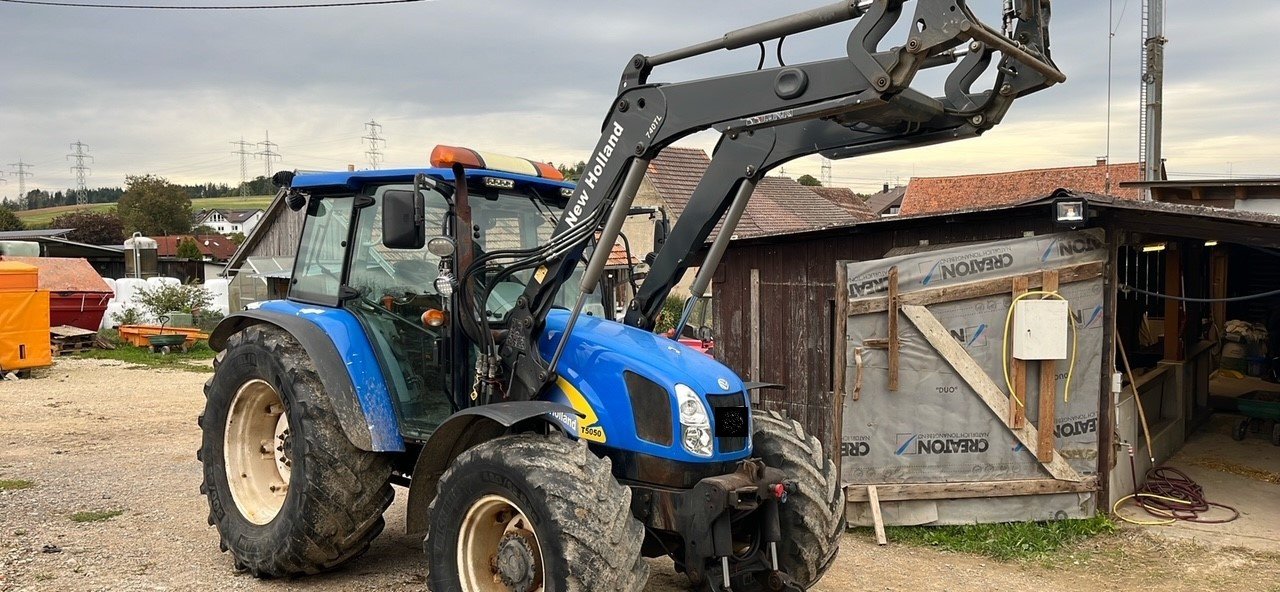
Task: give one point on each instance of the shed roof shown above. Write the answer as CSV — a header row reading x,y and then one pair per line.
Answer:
x,y
214,246
847,199
64,274
929,195
30,234
880,203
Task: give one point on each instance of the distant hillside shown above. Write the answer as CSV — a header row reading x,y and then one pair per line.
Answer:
x,y
43,217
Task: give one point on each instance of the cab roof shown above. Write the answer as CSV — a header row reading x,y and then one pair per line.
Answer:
x,y
355,180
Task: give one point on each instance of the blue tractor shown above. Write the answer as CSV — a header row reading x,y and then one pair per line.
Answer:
x,y
445,332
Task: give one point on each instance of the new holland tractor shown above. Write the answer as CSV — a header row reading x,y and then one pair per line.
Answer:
x,y
443,333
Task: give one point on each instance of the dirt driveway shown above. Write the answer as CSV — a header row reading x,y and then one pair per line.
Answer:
x,y
100,436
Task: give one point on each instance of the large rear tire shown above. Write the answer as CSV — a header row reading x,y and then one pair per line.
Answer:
x,y
531,512
289,494
812,520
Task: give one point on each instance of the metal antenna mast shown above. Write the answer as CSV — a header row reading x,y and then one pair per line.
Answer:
x,y
268,152
1151,90
79,153
373,131
244,164
20,169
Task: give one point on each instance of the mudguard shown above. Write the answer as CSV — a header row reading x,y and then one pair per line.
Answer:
x,y
468,428
344,359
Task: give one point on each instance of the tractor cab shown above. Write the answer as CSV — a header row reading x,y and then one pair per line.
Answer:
x,y
354,254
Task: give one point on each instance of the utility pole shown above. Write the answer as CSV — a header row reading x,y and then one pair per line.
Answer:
x,y
243,151
373,133
79,154
268,152
20,169
1151,121
826,172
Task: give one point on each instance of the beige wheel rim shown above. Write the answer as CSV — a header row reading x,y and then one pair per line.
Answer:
x,y
257,453
498,549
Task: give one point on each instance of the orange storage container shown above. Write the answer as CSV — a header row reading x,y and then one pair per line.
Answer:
x,y
18,276
24,330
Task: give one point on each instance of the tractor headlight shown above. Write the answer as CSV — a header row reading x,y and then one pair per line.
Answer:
x,y
695,422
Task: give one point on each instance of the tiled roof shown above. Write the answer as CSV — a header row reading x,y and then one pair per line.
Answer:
x,y
931,195
215,246
847,199
232,216
778,206
880,203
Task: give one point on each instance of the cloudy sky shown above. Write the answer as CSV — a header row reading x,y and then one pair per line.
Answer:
x,y
166,92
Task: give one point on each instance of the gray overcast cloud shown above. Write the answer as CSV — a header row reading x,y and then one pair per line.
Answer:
x,y
166,92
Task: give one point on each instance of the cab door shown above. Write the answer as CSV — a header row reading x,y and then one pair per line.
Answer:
x,y
392,289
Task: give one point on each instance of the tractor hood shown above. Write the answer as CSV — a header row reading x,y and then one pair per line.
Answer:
x,y
597,346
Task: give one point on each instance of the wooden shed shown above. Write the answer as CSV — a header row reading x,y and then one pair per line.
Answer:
x,y
946,444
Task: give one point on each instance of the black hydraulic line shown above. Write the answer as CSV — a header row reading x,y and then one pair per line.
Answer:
x,y
1128,288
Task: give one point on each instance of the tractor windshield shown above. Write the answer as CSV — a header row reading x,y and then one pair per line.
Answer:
x,y
509,220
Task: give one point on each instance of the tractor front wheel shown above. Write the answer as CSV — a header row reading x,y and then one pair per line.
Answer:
x,y
289,493
531,512
812,520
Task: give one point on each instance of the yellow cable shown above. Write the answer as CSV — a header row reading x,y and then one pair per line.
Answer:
x,y
1115,509
1075,343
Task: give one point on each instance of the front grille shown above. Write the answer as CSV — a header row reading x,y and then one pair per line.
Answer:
x,y
651,409
731,421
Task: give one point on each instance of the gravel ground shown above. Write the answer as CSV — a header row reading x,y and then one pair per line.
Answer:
x,y
101,436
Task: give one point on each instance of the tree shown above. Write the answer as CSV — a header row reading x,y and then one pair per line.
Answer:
x,y
572,173
94,228
809,181
188,249
154,206
10,220
236,238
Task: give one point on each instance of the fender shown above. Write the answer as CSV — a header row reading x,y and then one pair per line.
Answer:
x,y
365,412
468,428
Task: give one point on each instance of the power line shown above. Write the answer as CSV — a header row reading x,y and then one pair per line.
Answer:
x,y
244,165
80,154
214,7
268,152
20,169
374,136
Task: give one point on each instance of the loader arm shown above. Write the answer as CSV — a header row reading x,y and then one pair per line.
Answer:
x,y
858,104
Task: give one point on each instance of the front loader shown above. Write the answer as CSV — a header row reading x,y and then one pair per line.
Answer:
x,y
444,332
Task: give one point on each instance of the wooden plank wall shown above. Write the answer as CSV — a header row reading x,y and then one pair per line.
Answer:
x,y
797,293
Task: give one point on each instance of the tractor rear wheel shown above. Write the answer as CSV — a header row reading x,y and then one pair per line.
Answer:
x,y
812,520
289,493
532,512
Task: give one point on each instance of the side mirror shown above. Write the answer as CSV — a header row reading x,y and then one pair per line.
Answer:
x,y
403,220
660,231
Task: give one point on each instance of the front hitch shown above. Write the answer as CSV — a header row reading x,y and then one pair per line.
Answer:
x,y
729,525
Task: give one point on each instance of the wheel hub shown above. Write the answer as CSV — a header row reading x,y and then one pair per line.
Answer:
x,y
257,451
516,563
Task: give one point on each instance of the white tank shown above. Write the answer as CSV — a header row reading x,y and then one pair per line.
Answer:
x,y
140,256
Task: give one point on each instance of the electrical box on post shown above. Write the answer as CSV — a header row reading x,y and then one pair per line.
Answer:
x,y
1040,330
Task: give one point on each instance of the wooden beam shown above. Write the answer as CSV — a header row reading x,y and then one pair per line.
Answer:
x,y
894,344
840,359
1172,308
754,332
1048,390
981,289
977,379
938,491
877,520
1017,404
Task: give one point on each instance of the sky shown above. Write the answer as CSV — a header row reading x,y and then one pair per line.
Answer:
x,y
167,92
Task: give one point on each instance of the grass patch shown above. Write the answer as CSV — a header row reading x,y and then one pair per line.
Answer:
x,y
95,516
192,361
15,484
1006,542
